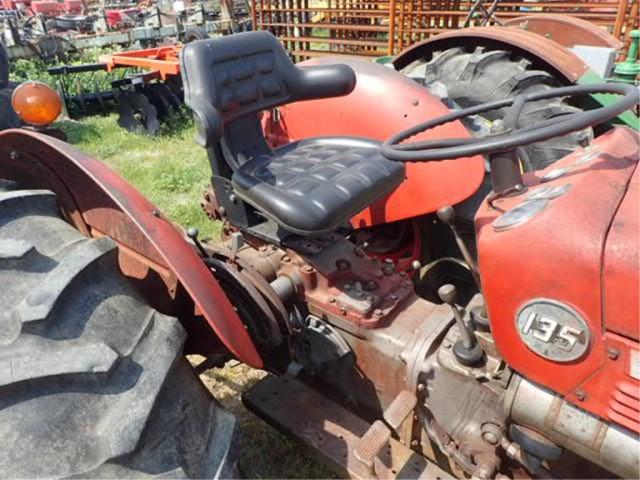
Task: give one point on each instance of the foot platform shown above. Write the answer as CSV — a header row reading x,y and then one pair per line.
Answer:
x,y
333,433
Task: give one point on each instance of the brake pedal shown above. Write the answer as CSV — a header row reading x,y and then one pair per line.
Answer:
x,y
371,443
400,409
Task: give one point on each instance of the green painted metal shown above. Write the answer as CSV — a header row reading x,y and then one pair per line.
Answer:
x,y
628,118
629,70
383,60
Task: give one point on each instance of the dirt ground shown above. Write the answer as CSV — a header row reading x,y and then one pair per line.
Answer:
x,y
265,453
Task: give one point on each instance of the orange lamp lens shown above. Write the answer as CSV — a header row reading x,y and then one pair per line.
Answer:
x,y
36,103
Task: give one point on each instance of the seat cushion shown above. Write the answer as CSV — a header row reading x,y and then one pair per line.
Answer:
x,y
317,184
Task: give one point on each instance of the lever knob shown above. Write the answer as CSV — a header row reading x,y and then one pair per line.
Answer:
x,y
193,233
448,294
446,215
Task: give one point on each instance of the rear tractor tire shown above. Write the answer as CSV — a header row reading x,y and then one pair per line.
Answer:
x,y
92,379
481,76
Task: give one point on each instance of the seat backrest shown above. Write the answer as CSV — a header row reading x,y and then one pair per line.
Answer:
x,y
230,79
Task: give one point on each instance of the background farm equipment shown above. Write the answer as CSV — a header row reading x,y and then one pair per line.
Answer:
x,y
53,29
143,86
133,83
582,54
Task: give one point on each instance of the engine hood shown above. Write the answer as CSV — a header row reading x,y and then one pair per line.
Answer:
x,y
578,253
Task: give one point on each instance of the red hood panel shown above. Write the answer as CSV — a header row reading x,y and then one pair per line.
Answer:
x,y
621,270
558,255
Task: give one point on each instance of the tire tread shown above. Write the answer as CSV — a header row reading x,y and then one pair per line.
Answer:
x,y
92,379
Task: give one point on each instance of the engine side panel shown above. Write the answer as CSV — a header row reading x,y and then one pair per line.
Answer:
x,y
383,103
557,255
621,280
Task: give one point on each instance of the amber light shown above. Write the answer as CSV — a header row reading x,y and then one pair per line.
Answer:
x,y
36,103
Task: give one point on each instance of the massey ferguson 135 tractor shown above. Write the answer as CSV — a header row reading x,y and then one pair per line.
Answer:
x,y
425,308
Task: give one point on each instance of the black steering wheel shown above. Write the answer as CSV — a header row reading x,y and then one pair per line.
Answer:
x,y
505,135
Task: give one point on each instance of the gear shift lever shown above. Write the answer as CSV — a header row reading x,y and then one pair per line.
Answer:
x,y
448,216
467,350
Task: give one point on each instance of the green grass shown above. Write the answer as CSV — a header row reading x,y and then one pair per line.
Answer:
x,y
172,171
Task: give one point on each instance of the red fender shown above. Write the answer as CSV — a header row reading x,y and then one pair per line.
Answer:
x,y
544,53
565,30
383,103
99,202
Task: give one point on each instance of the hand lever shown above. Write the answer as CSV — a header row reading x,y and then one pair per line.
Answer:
x,y
193,233
467,350
447,216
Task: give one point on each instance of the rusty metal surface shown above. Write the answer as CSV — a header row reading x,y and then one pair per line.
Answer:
x,y
371,303
99,202
335,276
543,53
566,30
330,431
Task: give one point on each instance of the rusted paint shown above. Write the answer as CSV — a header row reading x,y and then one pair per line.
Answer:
x,y
100,202
332,431
364,293
542,52
565,30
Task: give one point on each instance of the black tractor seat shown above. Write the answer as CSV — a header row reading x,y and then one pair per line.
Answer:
x,y
317,184
308,187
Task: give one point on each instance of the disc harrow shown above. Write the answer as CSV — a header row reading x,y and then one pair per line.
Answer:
x,y
142,86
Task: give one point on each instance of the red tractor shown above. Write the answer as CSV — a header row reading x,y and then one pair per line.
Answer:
x,y
425,308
